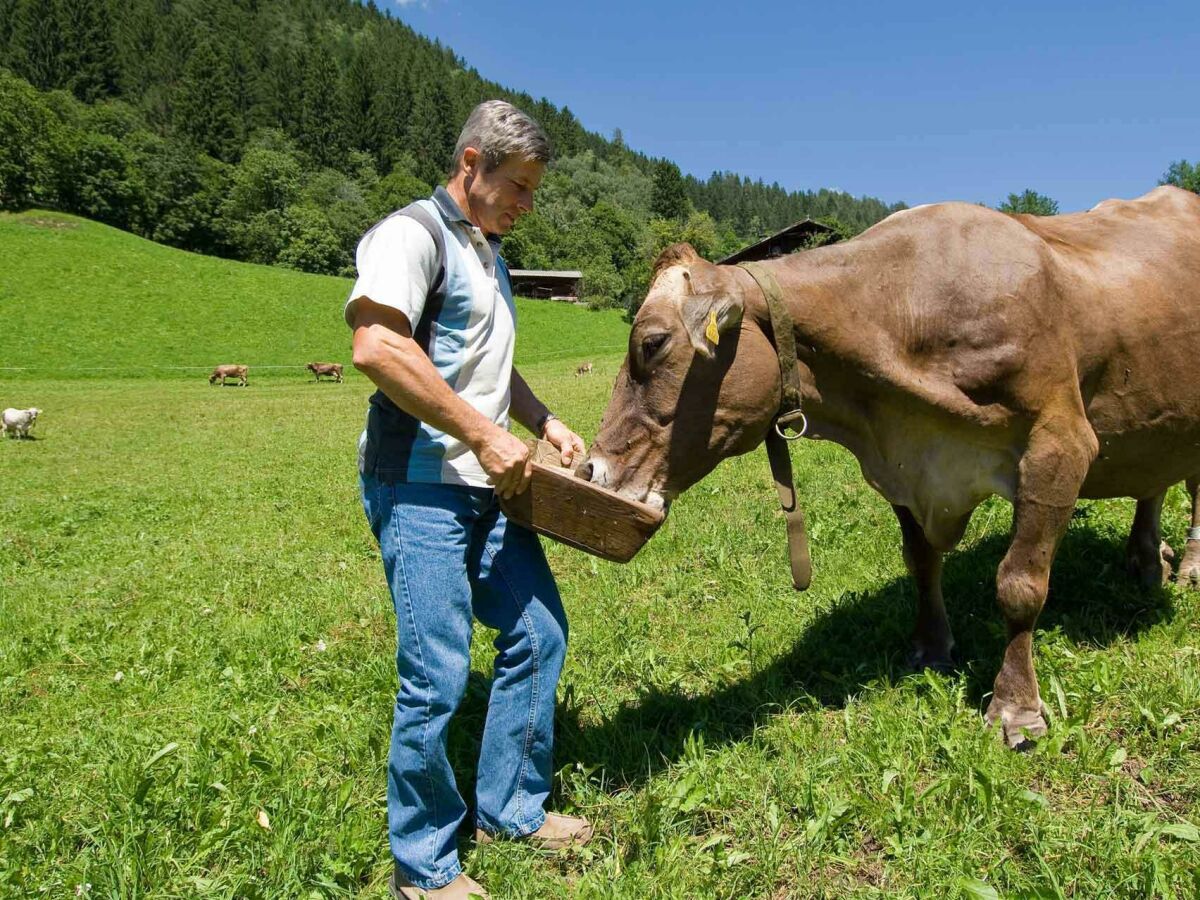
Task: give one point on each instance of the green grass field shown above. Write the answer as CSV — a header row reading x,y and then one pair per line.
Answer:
x,y
196,640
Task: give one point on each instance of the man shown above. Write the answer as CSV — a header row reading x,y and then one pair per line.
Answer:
x,y
434,323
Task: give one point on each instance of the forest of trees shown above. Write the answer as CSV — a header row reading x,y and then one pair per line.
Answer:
x,y
277,131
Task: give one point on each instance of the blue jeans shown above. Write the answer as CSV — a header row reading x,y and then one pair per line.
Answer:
x,y
449,554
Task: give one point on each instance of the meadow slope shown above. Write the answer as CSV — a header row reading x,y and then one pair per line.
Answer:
x,y
196,674
90,300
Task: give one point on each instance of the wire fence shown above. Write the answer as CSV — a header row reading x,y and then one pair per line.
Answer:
x,y
580,353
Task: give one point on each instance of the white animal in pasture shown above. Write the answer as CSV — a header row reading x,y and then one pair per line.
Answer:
x,y
17,422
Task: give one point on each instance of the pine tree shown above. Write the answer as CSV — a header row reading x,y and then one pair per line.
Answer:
x,y
8,13
205,111
37,44
389,112
1031,202
357,101
430,136
89,51
1184,175
136,37
282,88
320,120
668,199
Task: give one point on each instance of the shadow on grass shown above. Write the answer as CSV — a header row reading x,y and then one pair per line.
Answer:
x,y
863,639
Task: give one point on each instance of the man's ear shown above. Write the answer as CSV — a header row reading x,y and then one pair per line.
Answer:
x,y
707,317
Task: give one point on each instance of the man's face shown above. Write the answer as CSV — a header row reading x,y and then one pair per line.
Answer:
x,y
499,196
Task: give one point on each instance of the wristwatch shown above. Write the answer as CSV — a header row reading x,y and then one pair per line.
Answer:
x,y
543,422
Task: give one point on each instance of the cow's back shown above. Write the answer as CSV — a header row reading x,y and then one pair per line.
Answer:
x,y
971,310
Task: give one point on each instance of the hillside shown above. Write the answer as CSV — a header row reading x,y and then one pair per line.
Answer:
x,y
275,132
83,297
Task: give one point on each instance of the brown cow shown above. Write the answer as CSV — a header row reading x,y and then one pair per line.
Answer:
x,y
957,352
319,369
583,369
223,372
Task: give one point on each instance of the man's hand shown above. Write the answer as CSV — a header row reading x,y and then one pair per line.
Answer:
x,y
567,442
506,461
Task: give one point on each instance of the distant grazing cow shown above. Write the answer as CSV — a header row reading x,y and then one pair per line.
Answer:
x,y
584,369
16,422
223,372
319,369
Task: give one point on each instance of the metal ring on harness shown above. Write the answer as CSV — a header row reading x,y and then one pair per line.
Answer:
x,y
799,434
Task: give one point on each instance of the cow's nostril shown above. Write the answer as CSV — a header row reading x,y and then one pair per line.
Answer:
x,y
585,471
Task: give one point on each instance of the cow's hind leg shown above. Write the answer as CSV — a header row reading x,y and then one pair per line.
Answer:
x,y
1189,569
1145,558
1056,460
932,640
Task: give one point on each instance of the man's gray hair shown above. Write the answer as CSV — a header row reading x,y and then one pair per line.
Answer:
x,y
499,130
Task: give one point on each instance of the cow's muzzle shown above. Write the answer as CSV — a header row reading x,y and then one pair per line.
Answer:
x,y
597,470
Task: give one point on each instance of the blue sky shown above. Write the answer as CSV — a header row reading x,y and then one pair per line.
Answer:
x,y
912,102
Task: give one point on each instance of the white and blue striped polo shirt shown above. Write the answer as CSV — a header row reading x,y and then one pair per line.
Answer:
x,y
458,299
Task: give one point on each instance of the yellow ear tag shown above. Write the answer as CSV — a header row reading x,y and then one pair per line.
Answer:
x,y
711,331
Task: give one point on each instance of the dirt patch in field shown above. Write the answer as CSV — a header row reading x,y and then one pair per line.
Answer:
x,y
42,222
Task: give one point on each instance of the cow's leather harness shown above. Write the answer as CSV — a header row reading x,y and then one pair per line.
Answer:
x,y
789,415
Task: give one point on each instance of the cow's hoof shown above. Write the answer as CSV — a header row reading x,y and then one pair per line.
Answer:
x,y
1189,569
1151,569
939,659
1019,725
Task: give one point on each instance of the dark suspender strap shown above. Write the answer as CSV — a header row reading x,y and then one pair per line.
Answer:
x,y
423,329
391,432
789,411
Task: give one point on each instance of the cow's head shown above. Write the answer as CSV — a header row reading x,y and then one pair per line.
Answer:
x,y
700,382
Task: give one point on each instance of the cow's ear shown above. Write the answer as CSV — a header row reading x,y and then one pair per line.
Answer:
x,y
707,317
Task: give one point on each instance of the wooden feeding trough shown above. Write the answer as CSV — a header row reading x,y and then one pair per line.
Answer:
x,y
578,513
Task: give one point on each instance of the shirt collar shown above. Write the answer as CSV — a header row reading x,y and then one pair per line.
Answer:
x,y
448,208
452,212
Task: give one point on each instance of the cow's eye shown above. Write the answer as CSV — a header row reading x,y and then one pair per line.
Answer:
x,y
651,346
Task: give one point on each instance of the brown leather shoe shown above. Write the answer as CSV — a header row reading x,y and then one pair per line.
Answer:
x,y
556,833
461,888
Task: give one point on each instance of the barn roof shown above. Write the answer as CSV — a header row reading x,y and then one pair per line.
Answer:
x,y
794,237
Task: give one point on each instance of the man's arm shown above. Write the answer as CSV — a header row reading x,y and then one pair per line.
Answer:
x,y
527,409
524,406
385,352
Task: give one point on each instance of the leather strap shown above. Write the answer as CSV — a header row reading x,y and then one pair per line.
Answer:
x,y
781,471
789,412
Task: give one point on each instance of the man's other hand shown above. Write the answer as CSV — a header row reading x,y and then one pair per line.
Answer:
x,y
506,461
567,442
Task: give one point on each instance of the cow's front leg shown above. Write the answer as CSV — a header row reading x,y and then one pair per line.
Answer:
x,y
1050,474
1144,552
932,640
1189,569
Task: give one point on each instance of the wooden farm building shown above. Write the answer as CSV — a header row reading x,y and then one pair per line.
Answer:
x,y
542,284
793,238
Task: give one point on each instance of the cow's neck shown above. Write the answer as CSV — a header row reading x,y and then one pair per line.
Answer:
x,y
838,342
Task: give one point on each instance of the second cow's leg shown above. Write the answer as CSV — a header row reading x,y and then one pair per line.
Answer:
x,y
932,639
1053,468
1144,557
1189,569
